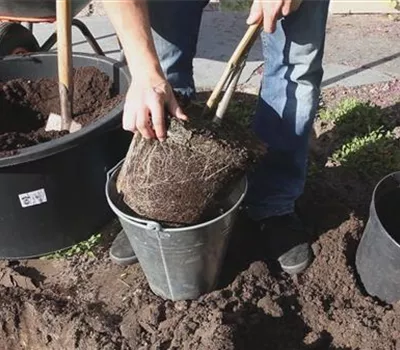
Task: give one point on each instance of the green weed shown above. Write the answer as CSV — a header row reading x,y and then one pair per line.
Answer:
x,y
374,154
363,140
343,109
82,248
352,117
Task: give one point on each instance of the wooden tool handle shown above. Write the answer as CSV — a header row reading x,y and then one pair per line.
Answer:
x,y
242,48
245,43
64,57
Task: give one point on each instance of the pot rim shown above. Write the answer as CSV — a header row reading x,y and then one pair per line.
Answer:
x,y
153,225
49,148
373,206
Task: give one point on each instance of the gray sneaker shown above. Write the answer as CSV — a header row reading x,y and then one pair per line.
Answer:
x,y
121,251
288,242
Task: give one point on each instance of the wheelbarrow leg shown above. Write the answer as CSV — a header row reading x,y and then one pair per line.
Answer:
x,y
122,57
50,42
88,36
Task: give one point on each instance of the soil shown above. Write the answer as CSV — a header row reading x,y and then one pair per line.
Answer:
x,y
198,160
25,106
89,303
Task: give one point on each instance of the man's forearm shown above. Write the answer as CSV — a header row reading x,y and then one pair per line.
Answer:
x,y
131,23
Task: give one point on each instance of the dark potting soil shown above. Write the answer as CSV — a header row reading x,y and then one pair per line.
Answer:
x,y
388,210
26,104
179,180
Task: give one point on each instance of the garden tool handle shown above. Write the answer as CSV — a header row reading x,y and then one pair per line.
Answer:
x,y
240,52
223,105
64,56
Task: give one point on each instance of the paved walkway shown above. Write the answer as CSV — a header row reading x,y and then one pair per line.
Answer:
x,y
359,49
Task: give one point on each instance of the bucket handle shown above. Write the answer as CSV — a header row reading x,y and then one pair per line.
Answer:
x,y
115,167
146,224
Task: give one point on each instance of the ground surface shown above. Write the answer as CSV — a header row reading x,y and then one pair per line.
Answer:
x,y
85,302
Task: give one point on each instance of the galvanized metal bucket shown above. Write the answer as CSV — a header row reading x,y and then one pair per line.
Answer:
x,y
179,263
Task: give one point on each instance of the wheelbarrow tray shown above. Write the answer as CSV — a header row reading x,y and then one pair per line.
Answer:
x,y
35,10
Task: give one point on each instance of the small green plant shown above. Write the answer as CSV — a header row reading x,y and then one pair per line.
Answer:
x,y
353,120
373,154
352,115
85,247
342,110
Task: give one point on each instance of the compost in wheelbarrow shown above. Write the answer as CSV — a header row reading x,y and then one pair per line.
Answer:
x,y
26,105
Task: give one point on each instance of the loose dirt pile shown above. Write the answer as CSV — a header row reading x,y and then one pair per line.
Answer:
x,y
94,305
178,180
25,106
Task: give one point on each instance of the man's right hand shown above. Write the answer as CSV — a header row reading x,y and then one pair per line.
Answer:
x,y
149,93
145,107
270,11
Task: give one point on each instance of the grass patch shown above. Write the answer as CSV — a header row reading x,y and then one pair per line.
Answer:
x,y
81,248
342,110
371,155
363,138
352,117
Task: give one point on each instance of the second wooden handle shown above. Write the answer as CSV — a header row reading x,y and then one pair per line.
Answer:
x,y
243,47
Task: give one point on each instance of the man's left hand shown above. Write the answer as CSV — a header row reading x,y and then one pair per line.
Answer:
x,y
270,11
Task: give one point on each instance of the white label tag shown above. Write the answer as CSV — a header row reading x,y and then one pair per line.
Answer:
x,y
30,199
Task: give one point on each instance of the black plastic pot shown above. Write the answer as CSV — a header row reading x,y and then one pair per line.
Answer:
x,y
52,194
39,9
378,254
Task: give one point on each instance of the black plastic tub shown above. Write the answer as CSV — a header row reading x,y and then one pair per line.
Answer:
x,y
52,194
378,254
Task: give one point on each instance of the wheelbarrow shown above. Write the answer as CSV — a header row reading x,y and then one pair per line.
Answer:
x,y
16,38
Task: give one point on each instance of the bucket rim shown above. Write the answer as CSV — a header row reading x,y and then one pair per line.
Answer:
x,y
373,207
154,225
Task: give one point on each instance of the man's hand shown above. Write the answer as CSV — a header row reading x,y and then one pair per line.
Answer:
x,y
145,109
149,93
270,11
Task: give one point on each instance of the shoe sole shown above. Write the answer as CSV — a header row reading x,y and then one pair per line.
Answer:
x,y
296,269
124,261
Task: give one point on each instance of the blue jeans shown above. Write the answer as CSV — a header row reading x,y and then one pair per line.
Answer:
x,y
286,108
175,27
288,96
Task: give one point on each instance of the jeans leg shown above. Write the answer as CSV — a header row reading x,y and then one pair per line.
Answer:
x,y
175,27
286,108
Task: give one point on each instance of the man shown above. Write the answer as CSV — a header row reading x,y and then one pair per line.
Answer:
x,y
293,44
